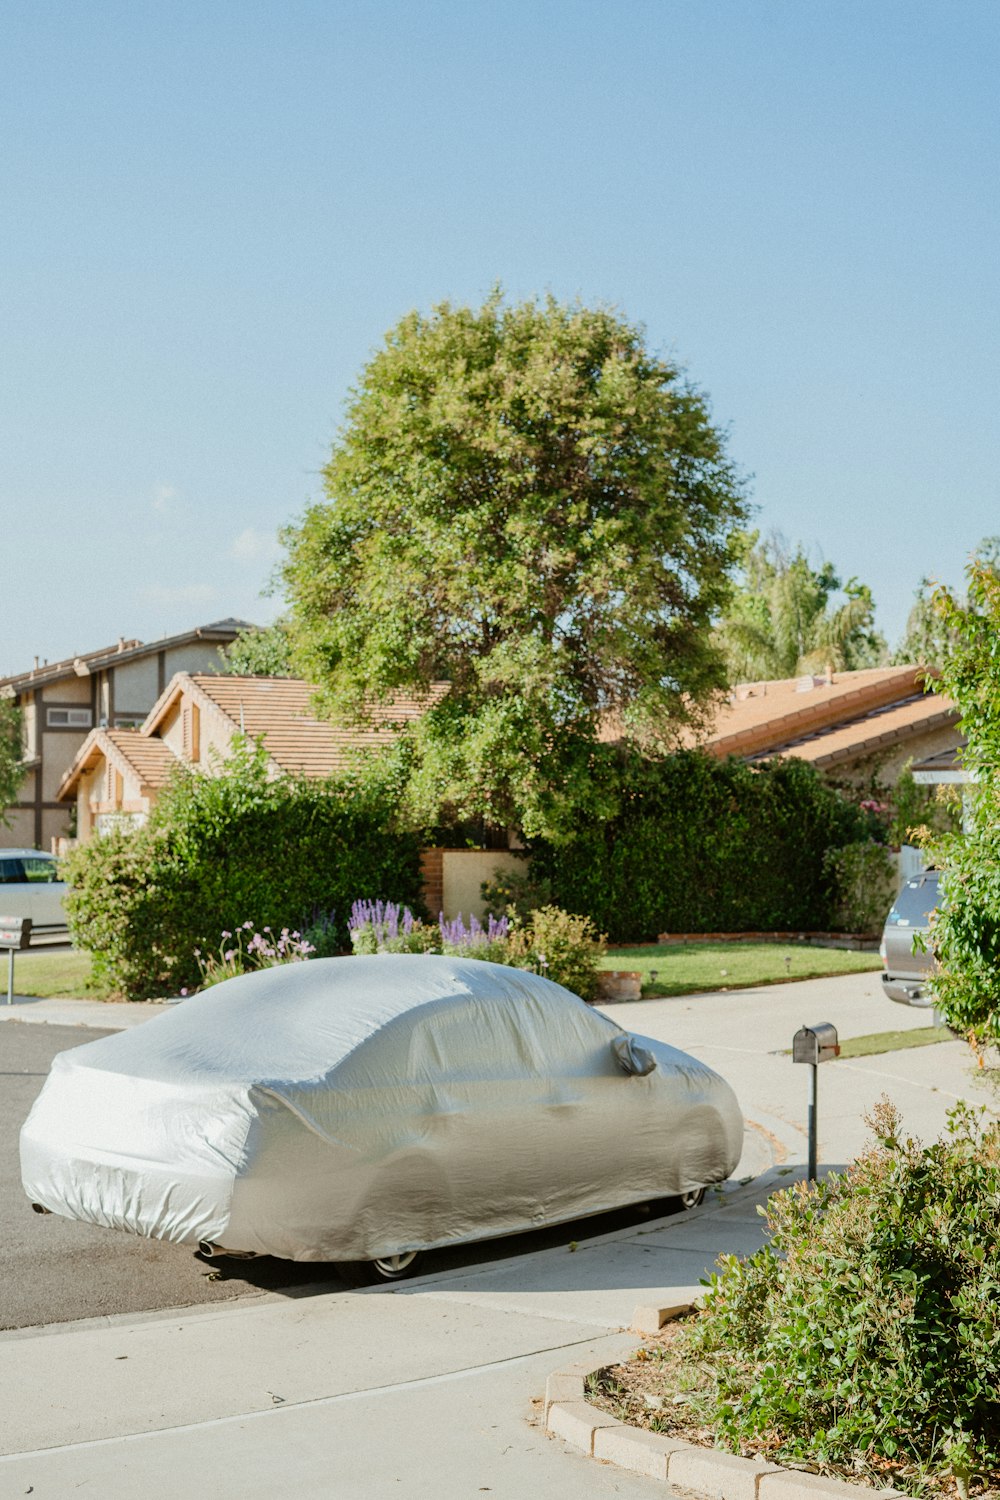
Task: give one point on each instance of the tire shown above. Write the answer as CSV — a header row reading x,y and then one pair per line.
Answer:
x,y
388,1268
692,1198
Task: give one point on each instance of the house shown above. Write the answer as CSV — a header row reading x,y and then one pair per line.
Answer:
x,y
858,727
119,773
112,689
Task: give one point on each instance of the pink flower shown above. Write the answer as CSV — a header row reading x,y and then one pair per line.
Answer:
x,y
183,992
230,955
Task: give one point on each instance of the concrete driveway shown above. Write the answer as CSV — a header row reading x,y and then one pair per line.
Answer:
x,y
426,1389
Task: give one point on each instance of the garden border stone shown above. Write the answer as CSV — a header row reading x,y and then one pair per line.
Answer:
x,y
705,1472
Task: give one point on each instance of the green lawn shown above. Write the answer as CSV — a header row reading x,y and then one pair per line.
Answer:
x,y
51,976
681,968
893,1041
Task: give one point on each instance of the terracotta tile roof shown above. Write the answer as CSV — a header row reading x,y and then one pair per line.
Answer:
x,y
279,710
878,730
764,717
150,760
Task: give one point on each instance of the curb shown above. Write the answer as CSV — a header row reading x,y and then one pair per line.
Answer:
x,y
704,1472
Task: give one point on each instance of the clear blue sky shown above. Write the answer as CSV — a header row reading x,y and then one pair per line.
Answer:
x,y
213,211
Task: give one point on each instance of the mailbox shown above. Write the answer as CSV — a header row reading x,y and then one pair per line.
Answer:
x,y
815,1044
15,932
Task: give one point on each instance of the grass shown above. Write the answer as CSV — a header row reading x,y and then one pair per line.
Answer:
x,y
680,968
894,1041
683,968
50,976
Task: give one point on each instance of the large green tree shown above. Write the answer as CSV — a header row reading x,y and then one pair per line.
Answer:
x,y
966,934
528,502
931,636
258,651
785,617
11,756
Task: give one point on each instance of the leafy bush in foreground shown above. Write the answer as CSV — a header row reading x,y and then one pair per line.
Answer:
x,y
868,1332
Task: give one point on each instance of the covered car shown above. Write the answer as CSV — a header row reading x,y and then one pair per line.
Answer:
x,y
365,1108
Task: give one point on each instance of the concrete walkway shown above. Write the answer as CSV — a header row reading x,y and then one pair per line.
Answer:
x,y
99,1014
427,1389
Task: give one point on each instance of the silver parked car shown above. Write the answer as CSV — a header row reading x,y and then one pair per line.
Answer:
x,y
908,970
364,1109
30,887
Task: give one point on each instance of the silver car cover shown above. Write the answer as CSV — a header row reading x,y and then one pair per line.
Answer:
x,y
353,1108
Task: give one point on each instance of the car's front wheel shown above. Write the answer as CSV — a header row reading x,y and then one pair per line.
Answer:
x,y
692,1197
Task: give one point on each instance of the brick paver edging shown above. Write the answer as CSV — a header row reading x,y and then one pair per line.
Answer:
x,y
704,1472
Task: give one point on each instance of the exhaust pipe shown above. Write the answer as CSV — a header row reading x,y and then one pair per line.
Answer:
x,y
211,1251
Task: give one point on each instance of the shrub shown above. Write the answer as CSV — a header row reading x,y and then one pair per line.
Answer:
x,y
323,934
224,848
864,883
867,1333
491,943
554,943
509,893
564,947
702,845
385,927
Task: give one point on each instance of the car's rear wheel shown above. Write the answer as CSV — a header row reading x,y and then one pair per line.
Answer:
x,y
386,1268
692,1197
395,1267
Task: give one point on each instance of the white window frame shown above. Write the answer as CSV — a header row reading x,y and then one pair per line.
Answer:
x,y
69,718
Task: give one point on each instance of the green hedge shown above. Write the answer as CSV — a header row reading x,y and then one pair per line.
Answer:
x,y
703,845
228,848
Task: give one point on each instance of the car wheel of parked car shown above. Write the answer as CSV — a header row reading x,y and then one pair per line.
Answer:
x,y
692,1197
395,1267
388,1268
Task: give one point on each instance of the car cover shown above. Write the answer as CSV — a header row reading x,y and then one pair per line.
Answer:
x,y
351,1108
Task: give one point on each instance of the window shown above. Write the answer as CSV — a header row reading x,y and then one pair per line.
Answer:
x,y
39,869
68,718
129,721
11,872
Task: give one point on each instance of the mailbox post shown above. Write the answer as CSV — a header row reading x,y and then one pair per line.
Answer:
x,y
814,1045
15,933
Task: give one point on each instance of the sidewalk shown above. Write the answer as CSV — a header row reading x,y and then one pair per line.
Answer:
x,y
96,1014
420,1390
